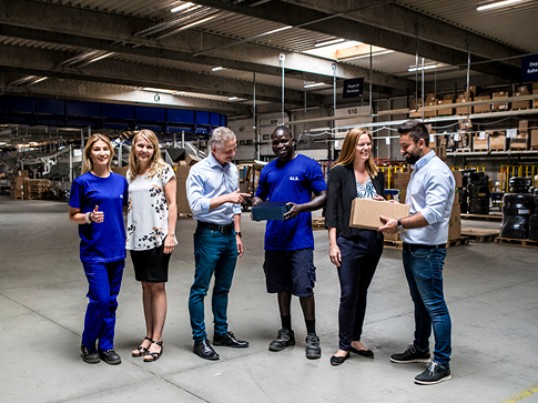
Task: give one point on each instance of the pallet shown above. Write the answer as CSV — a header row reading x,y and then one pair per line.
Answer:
x,y
318,223
480,234
514,241
486,217
463,150
184,215
451,243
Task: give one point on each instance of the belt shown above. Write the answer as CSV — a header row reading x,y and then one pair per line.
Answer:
x,y
223,229
412,247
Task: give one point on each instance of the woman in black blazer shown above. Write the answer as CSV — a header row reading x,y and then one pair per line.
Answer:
x,y
355,252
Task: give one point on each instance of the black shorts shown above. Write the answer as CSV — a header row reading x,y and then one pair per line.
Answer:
x,y
151,266
291,271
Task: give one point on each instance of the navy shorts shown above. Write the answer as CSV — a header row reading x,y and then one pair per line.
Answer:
x,y
291,271
151,266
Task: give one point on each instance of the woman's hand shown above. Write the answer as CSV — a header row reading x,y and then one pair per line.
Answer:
x,y
334,255
169,244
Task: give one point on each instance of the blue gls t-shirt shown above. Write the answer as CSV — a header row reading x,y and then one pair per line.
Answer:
x,y
293,181
101,242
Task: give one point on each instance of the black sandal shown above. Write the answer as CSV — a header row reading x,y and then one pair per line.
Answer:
x,y
151,356
140,350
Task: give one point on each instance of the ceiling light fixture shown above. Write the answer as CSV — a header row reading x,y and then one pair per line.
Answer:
x,y
259,3
328,42
181,7
217,68
366,55
310,84
428,66
497,4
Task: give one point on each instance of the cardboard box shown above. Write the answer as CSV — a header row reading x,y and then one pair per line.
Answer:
x,y
191,159
365,213
533,144
485,107
458,177
454,225
182,171
463,110
518,105
500,106
269,211
497,141
445,111
523,126
480,143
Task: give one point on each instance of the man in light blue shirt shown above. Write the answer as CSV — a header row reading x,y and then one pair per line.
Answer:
x,y
215,201
430,194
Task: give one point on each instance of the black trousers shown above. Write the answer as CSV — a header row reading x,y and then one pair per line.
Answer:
x,y
360,256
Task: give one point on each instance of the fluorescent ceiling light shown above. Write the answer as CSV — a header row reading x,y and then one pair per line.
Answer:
x,y
497,4
217,68
258,3
366,55
328,42
428,66
182,7
39,80
310,84
163,91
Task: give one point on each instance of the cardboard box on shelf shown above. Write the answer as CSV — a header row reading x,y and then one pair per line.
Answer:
x,y
519,143
523,126
497,141
533,143
445,111
463,110
519,105
485,107
480,142
191,159
499,106
365,213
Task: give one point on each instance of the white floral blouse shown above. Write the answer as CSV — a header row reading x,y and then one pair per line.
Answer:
x,y
147,215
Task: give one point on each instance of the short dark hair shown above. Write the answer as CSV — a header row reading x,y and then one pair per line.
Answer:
x,y
415,129
285,129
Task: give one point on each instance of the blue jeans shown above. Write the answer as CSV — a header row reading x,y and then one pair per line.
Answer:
x,y
214,253
104,280
424,272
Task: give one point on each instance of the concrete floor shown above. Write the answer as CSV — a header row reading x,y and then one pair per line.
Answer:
x,y
491,291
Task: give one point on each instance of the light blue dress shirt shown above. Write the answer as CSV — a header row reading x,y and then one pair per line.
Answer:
x,y
208,179
431,192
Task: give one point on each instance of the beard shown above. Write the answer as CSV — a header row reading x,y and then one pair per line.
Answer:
x,y
412,158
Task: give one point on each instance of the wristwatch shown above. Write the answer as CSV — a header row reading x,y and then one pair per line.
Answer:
x,y
400,226
239,233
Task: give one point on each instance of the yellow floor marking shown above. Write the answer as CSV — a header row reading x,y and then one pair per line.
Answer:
x,y
523,394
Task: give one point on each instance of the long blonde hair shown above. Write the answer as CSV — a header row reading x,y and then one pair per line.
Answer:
x,y
347,154
156,163
87,163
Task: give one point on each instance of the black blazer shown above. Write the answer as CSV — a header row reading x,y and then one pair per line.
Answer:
x,y
341,190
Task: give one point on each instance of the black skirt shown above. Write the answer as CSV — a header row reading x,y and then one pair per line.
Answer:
x,y
151,266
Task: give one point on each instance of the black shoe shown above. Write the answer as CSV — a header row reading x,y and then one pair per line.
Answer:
x,y
313,350
336,360
110,357
435,373
410,355
204,350
285,338
228,339
87,357
363,353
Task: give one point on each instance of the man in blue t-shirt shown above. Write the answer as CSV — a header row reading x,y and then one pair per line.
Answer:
x,y
289,244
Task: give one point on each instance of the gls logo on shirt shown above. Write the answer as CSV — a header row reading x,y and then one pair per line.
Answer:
x,y
294,178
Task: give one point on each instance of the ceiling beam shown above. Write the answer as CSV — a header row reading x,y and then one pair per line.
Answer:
x,y
372,32
89,29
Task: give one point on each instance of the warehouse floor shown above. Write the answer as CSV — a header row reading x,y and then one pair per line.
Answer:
x,y
491,291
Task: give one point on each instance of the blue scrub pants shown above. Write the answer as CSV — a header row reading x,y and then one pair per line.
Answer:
x,y
104,280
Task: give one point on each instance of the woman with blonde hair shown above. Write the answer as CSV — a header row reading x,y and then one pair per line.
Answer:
x,y
354,252
96,203
151,224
